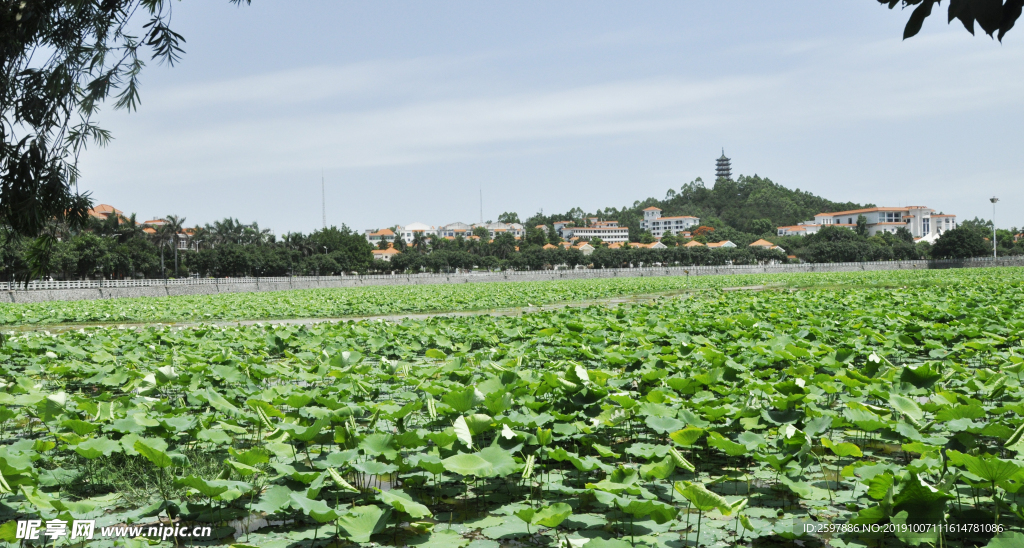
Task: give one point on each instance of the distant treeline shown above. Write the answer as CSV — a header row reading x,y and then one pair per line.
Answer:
x,y
740,211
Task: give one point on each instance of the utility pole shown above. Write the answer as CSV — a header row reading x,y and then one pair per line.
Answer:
x,y
323,198
993,200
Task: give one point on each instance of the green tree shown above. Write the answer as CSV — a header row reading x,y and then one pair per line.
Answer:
x,y
993,16
399,243
419,242
61,61
504,245
962,242
508,217
482,233
173,232
646,237
862,226
762,227
535,237
553,237
668,239
904,235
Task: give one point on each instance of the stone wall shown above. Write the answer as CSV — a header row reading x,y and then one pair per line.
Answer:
x,y
309,282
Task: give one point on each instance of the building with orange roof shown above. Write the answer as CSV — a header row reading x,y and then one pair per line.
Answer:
x,y
657,225
802,229
560,227
550,246
608,234
766,245
104,211
722,244
921,221
584,247
516,229
375,236
693,243
652,245
456,229
385,254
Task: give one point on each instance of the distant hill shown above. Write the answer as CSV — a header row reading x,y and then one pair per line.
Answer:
x,y
748,204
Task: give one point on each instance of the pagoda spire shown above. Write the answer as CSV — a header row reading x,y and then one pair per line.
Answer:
x,y
723,167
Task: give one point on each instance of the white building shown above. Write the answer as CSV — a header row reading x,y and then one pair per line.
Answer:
x,y
722,244
803,229
374,237
610,234
657,225
919,220
922,222
560,227
409,232
385,254
456,229
496,229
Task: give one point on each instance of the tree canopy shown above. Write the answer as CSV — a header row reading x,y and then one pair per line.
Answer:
x,y
962,242
60,62
993,16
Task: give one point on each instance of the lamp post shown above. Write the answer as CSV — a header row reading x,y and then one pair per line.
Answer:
x,y
993,200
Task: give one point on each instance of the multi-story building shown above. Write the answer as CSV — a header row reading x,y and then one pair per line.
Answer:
x,y
560,227
608,234
385,254
407,233
375,236
803,229
921,221
657,225
495,229
456,229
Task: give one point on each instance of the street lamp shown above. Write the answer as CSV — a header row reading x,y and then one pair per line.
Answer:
x,y
993,200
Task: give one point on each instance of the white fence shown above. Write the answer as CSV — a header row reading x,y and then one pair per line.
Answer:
x,y
609,272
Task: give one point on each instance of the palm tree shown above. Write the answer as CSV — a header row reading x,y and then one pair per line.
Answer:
x,y
253,234
172,229
437,243
227,230
418,241
201,234
129,230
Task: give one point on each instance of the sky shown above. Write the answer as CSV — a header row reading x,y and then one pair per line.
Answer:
x,y
409,111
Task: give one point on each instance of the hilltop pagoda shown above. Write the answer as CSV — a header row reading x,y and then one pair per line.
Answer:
x,y
723,167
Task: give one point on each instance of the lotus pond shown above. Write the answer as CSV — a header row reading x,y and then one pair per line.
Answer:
x,y
712,419
413,299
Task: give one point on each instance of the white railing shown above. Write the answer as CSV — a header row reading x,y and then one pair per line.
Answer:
x,y
603,272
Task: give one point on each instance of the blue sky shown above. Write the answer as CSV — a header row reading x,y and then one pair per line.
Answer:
x,y
410,108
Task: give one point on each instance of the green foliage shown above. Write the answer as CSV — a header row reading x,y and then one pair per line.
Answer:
x,y
670,418
962,242
994,17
